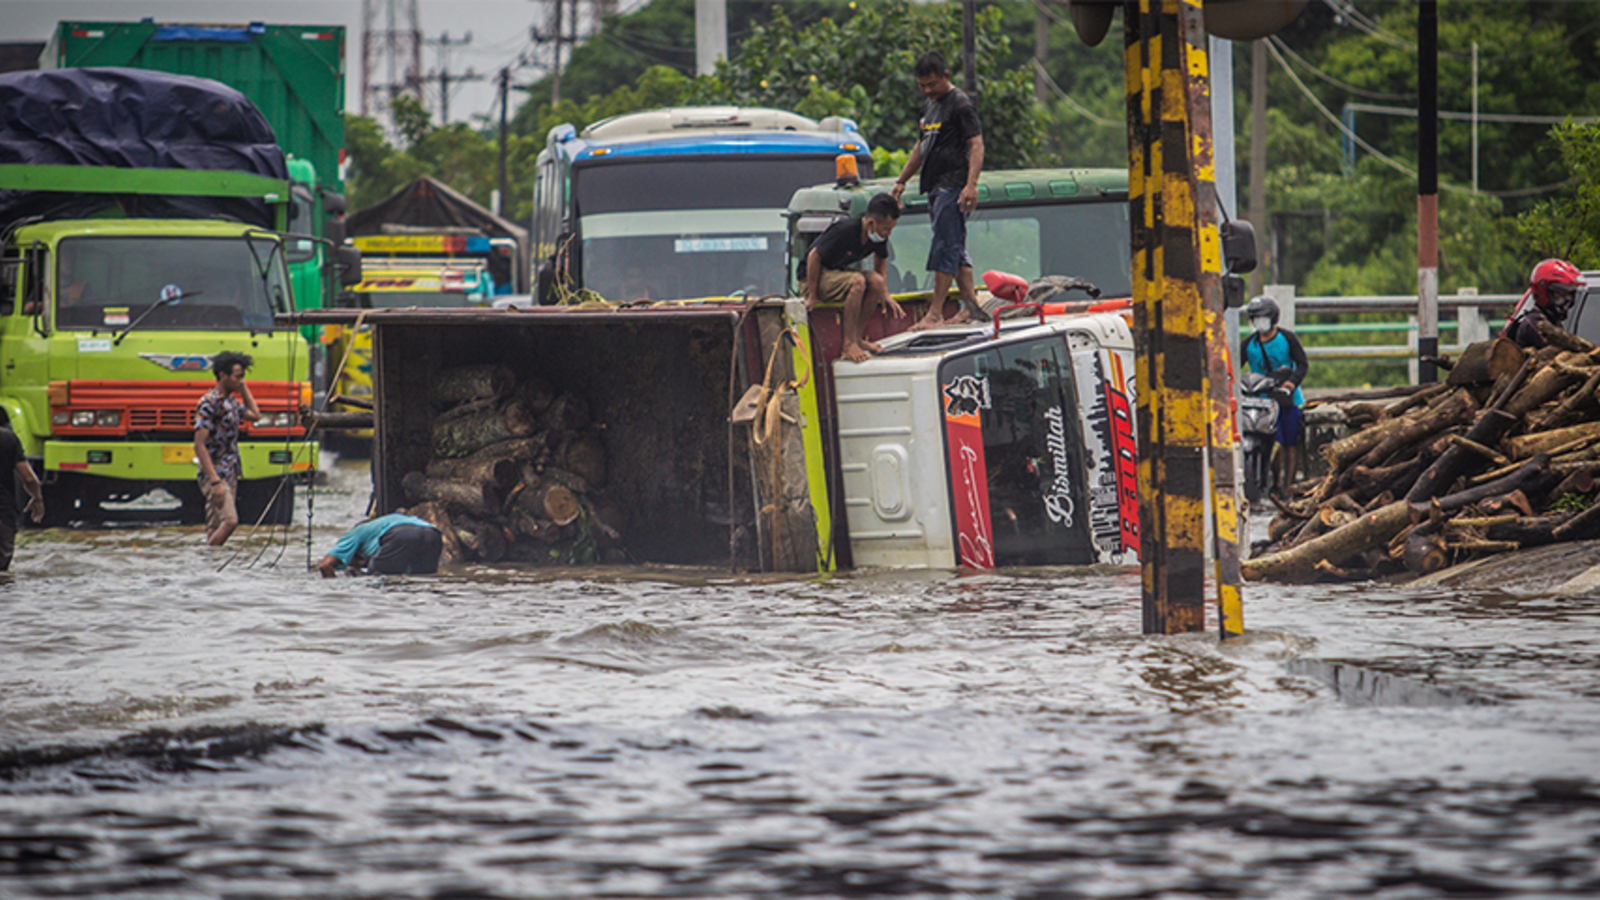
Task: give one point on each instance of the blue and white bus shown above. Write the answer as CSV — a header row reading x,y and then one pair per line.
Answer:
x,y
679,203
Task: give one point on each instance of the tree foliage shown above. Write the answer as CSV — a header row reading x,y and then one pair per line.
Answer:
x,y
861,68
1568,225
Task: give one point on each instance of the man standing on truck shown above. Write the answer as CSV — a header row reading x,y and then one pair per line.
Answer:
x,y
1552,286
216,442
830,274
950,155
13,458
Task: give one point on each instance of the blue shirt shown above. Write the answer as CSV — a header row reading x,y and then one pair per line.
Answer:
x,y
363,539
1267,357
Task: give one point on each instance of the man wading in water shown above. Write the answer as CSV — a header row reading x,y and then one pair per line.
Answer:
x,y
216,442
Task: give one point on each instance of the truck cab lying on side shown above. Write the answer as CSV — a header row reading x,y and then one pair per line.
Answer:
x,y
996,443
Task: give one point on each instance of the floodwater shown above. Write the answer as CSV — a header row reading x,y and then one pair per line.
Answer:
x,y
177,722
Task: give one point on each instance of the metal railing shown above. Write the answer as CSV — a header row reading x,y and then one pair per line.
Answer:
x,y
1472,322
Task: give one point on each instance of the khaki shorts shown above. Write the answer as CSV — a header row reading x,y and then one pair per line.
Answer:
x,y
217,513
835,284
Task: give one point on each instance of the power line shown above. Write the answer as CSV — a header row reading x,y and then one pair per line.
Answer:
x,y
1329,79
1074,105
1380,155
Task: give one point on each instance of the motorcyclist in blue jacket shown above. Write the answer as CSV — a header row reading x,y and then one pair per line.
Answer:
x,y
1276,353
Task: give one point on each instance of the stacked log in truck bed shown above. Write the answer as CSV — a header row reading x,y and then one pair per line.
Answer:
x,y
517,473
1504,455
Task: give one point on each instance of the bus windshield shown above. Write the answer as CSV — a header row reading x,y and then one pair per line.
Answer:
x,y
223,283
657,229
1087,240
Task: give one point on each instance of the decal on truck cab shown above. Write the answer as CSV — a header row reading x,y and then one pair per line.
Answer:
x,y
969,475
178,363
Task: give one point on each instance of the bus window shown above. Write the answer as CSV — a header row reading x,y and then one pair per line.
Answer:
x,y
1032,450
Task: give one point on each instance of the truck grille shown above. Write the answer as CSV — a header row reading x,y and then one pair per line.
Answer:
x,y
160,420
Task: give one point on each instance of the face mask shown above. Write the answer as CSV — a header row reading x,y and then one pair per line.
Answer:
x,y
875,237
1261,324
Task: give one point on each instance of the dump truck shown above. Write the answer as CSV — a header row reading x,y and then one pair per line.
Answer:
x,y
727,433
143,218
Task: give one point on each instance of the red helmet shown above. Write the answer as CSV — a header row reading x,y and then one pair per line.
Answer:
x,y
1554,284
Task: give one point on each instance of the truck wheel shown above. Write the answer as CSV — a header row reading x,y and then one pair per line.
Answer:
x,y
254,497
61,500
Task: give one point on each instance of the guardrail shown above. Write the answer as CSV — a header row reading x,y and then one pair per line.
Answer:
x,y
1472,321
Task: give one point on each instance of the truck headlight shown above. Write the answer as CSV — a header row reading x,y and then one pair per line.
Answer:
x,y
108,418
83,418
60,417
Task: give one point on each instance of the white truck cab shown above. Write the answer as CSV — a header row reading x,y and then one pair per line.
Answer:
x,y
985,447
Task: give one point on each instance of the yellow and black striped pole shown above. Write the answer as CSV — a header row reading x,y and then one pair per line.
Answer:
x,y
1182,368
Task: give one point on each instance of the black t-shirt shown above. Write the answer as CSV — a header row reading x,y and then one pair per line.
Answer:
x,y
10,454
947,125
842,246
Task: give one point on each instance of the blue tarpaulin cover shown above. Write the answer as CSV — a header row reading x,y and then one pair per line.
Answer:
x,y
132,118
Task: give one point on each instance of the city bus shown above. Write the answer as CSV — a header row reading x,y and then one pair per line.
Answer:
x,y
677,203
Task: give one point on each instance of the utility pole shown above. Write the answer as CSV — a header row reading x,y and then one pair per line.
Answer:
x,y
395,47
444,43
505,93
710,34
1427,190
1041,51
1258,151
969,47
556,33
1182,366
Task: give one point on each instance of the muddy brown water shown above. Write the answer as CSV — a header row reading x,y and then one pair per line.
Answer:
x,y
176,722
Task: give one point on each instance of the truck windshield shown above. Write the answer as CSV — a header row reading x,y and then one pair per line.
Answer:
x,y
1087,240
107,282
684,228
1032,454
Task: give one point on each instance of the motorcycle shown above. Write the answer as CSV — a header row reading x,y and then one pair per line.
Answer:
x,y
1258,432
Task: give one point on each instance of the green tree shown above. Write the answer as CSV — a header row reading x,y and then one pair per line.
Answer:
x,y
861,67
1567,225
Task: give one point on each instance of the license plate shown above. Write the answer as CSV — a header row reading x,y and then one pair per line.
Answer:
x,y
177,453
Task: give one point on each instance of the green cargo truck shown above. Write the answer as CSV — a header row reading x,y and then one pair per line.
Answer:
x,y
294,74
135,244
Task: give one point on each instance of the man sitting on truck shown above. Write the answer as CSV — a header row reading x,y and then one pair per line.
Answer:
x,y
216,442
831,274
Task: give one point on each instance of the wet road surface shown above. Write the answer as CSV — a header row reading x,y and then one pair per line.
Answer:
x,y
181,722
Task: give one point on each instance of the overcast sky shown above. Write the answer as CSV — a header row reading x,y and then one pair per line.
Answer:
x,y
499,31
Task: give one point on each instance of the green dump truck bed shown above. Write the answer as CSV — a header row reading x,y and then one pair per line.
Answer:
x,y
293,73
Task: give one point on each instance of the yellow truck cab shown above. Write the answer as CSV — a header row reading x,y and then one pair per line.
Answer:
x,y
113,301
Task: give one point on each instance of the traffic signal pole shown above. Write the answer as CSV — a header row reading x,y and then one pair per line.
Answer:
x,y
1183,367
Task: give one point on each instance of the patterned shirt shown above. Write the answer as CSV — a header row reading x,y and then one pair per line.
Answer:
x,y
222,416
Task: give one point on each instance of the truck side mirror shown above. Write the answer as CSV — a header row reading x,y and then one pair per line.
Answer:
x,y
545,292
332,203
333,230
1233,292
348,259
33,295
1238,246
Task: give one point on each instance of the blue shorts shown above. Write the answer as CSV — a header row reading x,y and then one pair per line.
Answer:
x,y
1289,425
948,251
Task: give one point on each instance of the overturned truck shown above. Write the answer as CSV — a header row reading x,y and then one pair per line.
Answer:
x,y
727,432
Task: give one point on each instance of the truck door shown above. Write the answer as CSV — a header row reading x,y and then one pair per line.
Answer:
x,y
1014,448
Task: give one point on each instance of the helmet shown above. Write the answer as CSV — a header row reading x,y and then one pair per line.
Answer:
x,y
1262,306
1554,284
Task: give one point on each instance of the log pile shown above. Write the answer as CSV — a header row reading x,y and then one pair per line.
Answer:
x,y
517,473
1503,455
